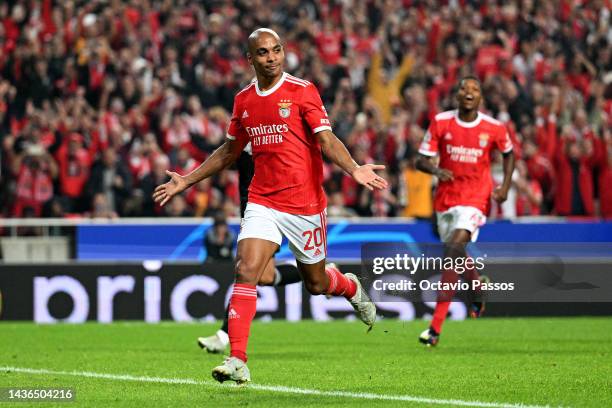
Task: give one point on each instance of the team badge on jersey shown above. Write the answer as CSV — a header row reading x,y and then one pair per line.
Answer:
x,y
484,139
284,108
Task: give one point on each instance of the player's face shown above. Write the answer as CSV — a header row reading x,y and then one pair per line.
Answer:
x,y
267,56
469,95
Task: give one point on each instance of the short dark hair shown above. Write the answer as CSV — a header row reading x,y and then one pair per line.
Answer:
x,y
469,77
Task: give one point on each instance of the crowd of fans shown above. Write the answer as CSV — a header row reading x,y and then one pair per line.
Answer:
x,y
99,97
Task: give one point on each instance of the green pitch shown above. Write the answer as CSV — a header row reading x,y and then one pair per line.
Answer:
x,y
556,362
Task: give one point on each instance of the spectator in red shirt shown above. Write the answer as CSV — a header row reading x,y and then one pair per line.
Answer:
x,y
529,192
605,178
540,169
573,163
142,156
329,43
35,171
74,165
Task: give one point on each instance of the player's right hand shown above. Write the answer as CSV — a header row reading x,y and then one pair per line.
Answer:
x,y
164,192
366,176
444,174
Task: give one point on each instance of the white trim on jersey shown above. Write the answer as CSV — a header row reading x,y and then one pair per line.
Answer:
x,y
321,128
273,89
471,124
511,148
427,153
230,137
305,82
491,119
246,88
303,85
446,115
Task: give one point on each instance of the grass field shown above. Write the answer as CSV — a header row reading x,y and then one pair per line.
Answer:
x,y
491,362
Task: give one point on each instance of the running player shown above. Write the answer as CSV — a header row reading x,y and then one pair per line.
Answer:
x,y
463,139
285,121
281,274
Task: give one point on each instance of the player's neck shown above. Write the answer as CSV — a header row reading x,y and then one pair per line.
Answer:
x,y
265,83
468,115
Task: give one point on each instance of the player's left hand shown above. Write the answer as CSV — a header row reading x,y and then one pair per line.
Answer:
x,y
366,176
500,194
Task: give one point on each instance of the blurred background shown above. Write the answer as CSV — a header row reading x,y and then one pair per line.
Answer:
x,y
98,98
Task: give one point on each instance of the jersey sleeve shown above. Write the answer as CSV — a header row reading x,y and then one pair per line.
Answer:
x,y
503,141
313,111
429,145
236,131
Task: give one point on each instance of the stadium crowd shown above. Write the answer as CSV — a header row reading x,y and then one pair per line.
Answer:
x,y
99,97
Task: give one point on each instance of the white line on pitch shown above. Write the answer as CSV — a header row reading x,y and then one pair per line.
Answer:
x,y
271,388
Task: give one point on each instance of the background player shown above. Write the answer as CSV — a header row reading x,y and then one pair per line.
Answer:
x,y
463,139
281,274
285,121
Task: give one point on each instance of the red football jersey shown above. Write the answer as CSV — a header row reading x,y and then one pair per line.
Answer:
x,y
281,124
465,149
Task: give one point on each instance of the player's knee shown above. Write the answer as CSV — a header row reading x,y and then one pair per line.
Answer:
x,y
315,286
246,271
460,236
266,280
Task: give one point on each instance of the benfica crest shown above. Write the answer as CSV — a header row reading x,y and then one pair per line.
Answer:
x,y
484,139
284,108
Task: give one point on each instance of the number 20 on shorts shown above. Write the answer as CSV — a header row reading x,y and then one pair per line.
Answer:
x,y
315,235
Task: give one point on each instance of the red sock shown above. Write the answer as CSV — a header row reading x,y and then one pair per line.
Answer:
x,y
242,306
439,316
444,301
339,285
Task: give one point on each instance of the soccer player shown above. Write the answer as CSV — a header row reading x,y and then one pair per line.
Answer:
x,y
274,275
463,139
285,121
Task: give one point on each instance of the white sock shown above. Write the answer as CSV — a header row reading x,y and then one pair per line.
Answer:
x,y
223,336
277,277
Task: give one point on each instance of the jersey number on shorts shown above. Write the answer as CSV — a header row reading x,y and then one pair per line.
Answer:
x,y
317,234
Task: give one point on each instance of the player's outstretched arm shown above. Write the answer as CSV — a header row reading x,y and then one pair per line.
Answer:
x,y
426,165
335,150
220,159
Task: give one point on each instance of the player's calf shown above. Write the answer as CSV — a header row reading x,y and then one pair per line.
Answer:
x,y
315,286
247,271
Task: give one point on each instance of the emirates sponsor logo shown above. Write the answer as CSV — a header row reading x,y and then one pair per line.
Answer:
x,y
464,154
262,130
267,134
